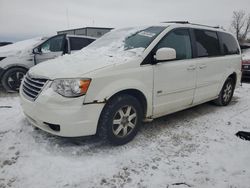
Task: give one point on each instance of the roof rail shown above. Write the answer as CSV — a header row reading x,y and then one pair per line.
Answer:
x,y
180,22
186,22
216,27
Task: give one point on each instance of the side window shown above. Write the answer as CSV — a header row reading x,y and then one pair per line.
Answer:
x,y
207,43
178,39
77,43
54,44
229,44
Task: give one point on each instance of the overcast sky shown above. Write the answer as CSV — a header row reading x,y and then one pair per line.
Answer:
x,y
23,19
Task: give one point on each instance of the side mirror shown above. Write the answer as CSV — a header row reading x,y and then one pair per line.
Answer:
x,y
164,54
36,50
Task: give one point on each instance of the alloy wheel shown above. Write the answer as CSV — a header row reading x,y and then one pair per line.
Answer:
x,y
227,92
124,121
14,80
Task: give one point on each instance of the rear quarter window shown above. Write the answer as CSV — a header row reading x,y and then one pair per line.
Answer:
x,y
229,44
77,43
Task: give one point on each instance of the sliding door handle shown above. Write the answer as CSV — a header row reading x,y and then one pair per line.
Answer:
x,y
191,67
202,66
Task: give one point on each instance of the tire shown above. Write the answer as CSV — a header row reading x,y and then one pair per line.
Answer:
x,y
120,119
12,79
226,93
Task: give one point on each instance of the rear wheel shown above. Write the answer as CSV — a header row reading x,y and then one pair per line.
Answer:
x,y
226,93
12,79
120,119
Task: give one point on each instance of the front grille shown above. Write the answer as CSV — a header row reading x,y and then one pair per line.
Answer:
x,y
32,86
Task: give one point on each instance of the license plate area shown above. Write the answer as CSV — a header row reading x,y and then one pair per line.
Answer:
x,y
246,67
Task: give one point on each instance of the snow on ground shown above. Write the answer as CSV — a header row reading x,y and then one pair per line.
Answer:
x,y
193,148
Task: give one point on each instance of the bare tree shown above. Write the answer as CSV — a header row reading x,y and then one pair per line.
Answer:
x,y
247,29
241,24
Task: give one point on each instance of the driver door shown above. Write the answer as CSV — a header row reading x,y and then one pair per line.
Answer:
x,y
174,80
50,49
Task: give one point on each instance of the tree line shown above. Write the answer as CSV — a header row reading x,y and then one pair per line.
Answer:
x,y
241,25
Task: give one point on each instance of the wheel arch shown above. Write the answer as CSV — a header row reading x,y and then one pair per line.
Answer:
x,y
12,67
220,101
103,127
234,77
4,74
135,93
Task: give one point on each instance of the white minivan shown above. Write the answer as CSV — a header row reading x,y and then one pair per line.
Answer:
x,y
129,76
17,58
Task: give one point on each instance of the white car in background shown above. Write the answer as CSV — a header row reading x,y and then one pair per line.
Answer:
x,y
130,75
17,58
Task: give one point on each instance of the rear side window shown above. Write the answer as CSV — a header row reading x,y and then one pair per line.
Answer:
x,y
178,39
207,43
77,43
229,44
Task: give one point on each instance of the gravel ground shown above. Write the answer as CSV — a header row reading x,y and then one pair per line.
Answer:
x,y
192,148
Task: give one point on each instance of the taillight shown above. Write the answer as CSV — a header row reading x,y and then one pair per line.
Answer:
x,y
245,62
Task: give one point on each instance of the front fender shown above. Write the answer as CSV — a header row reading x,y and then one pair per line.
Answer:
x,y
15,61
103,88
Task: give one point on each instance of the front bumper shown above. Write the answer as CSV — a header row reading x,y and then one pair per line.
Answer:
x,y
74,118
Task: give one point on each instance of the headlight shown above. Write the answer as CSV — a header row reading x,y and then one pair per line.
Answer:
x,y
71,87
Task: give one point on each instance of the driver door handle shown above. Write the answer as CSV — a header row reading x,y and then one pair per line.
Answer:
x,y
202,66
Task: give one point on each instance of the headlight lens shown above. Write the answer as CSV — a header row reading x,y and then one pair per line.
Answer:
x,y
71,87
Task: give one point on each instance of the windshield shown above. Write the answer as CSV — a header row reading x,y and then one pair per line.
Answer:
x,y
128,39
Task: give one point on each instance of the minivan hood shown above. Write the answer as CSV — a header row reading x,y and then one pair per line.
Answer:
x,y
20,48
78,64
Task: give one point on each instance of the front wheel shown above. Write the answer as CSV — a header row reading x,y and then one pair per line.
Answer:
x,y
12,79
226,93
120,119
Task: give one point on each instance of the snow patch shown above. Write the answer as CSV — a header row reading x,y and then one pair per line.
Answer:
x,y
195,147
20,48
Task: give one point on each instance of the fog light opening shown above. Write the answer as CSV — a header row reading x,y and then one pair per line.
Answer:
x,y
54,127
